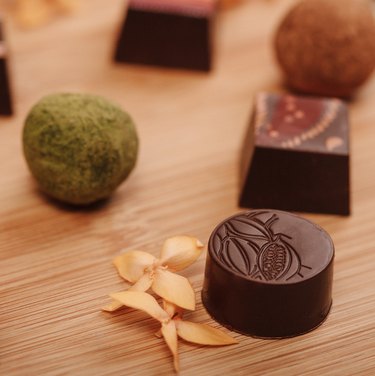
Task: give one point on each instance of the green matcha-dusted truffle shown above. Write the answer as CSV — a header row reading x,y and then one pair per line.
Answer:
x,y
79,147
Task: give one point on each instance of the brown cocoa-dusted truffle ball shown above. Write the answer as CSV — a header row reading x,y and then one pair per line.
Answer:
x,y
327,47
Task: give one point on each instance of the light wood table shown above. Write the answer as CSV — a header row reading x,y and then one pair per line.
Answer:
x,y
56,266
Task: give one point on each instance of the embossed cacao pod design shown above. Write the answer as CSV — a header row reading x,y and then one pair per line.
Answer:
x,y
272,260
249,245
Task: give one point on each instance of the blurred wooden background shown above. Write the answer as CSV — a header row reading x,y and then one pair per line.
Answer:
x,y
56,261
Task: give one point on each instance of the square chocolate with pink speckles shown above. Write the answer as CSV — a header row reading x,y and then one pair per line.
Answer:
x,y
301,123
296,155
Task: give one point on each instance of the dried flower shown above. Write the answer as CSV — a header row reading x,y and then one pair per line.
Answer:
x,y
172,324
146,271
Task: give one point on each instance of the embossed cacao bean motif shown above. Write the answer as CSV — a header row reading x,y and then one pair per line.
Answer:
x,y
249,245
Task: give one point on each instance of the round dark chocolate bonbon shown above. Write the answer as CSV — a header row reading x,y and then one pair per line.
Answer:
x,y
269,274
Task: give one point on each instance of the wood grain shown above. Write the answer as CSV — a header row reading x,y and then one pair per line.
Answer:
x,y
56,267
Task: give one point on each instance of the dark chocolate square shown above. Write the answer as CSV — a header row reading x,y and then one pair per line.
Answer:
x,y
168,33
5,96
296,155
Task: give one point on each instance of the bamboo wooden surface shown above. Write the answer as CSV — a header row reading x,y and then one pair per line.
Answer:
x,y
56,267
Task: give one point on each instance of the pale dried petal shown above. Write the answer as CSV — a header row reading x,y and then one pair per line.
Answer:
x,y
172,310
202,334
180,251
168,330
131,265
143,301
174,288
143,284
113,306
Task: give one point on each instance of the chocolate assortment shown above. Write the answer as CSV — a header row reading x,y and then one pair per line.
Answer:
x,y
296,155
168,33
6,107
269,274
